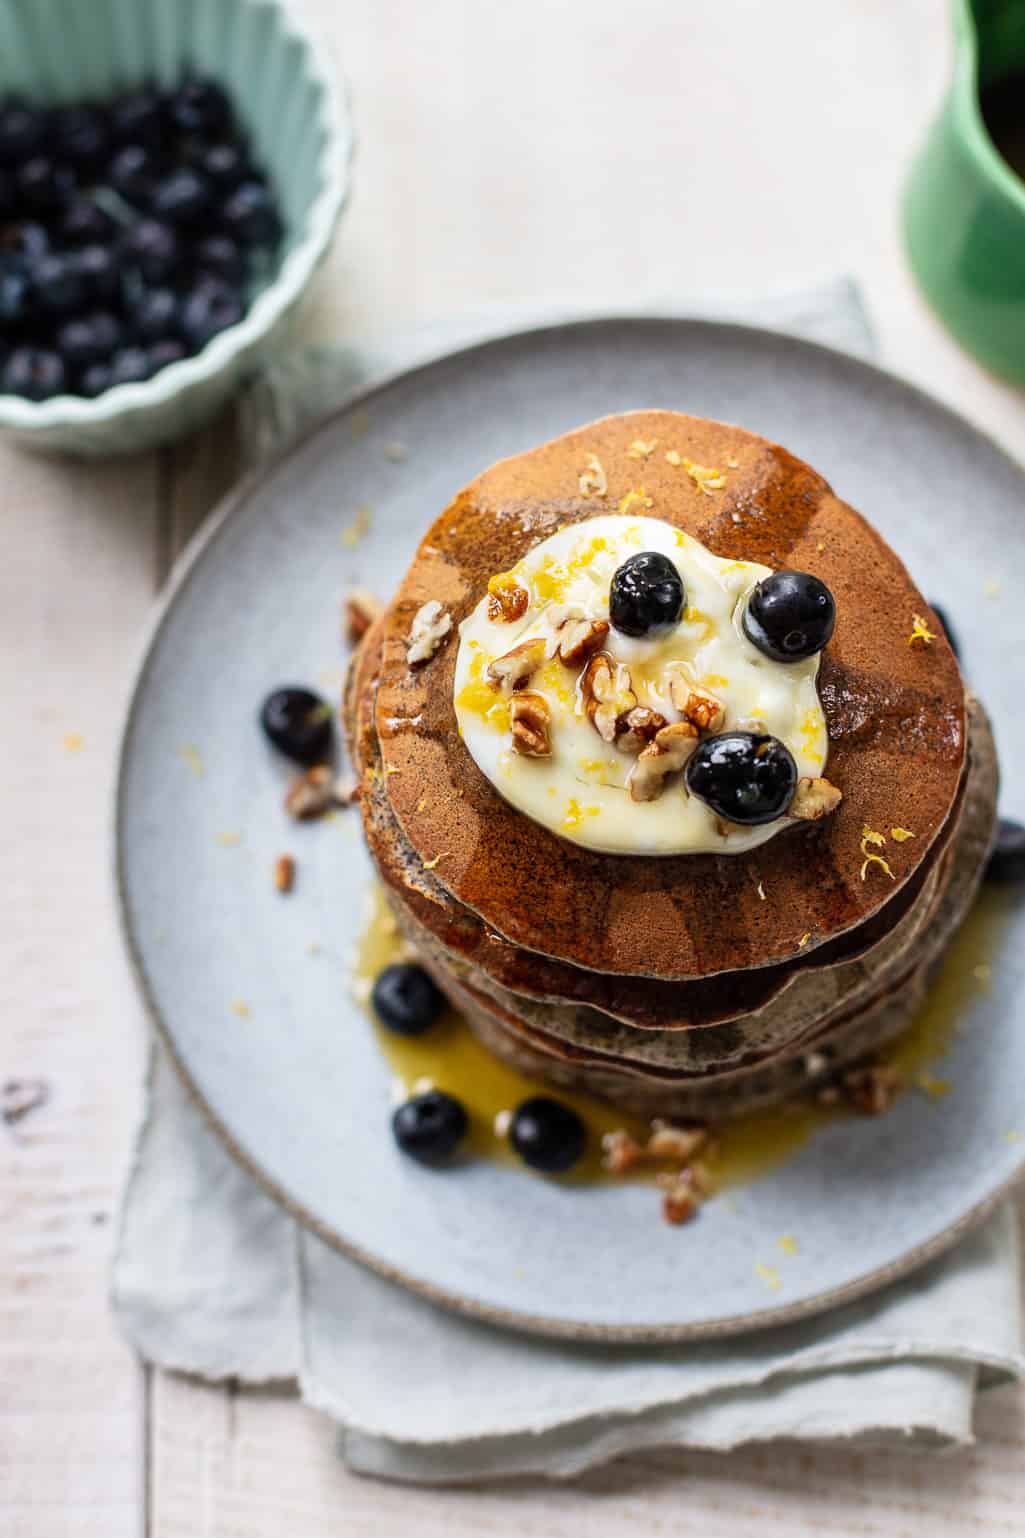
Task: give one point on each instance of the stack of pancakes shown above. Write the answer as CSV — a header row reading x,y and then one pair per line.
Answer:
x,y
696,985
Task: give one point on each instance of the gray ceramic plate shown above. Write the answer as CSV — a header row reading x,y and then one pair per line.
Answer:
x,y
297,1085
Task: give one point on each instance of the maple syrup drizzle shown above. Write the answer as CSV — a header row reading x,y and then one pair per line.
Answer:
x,y
450,1057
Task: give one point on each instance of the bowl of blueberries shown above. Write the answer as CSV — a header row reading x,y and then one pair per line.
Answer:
x,y
171,175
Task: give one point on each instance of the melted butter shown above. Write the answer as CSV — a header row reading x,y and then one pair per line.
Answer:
x,y
451,1058
575,566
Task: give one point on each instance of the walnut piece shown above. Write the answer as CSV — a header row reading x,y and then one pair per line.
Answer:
x,y
431,624
697,706
607,695
507,600
531,723
814,799
361,610
637,728
672,747
512,671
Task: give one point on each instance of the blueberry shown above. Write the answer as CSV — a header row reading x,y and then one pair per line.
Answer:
x,y
15,297
250,215
133,173
225,165
951,633
25,239
95,380
99,272
86,223
78,343
129,365
168,350
183,197
745,777
789,616
200,106
89,338
646,597
82,136
430,1127
34,372
298,724
547,1135
221,257
212,307
153,248
406,1000
137,118
1007,858
57,283
23,131
108,331
46,185
155,313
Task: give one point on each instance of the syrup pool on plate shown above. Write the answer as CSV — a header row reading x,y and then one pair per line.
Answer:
x,y
449,1057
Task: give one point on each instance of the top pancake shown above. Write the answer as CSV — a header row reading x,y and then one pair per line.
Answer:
x,y
895,715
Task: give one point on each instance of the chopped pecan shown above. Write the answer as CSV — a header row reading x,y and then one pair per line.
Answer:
x,y
697,706
637,728
345,790
513,670
507,600
872,1090
680,1202
724,828
531,722
672,747
814,799
592,480
679,1143
361,609
284,873
607,695
621,1152
575,637
431,624
20,1097
312,794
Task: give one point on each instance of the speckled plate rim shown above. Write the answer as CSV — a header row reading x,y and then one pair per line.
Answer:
x,y
232,506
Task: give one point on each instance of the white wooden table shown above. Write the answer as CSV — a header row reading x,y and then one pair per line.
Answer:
x,y
508,152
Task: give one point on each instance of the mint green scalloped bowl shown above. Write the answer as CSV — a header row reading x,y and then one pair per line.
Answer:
x,y
296,114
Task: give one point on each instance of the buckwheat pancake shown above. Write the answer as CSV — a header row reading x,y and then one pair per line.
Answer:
x,y
751,1060
895,716
469,947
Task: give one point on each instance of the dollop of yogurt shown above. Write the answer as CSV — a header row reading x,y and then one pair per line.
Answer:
x,y
580,791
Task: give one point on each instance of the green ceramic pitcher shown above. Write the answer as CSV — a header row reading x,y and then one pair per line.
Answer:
x,y
964,207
